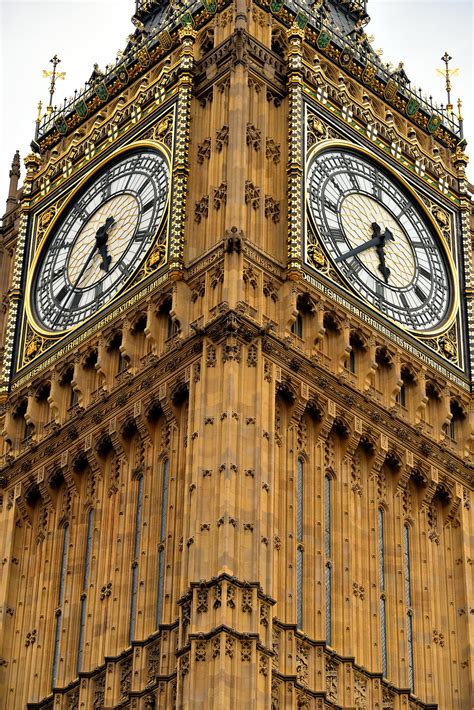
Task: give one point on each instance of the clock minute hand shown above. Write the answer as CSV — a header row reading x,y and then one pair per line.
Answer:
x,y
362,247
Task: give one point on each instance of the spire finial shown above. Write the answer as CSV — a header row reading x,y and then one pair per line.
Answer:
x,y
55,75
448,73
12,199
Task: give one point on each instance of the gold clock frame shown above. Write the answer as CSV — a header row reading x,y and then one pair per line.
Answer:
x,y
131,147
449,261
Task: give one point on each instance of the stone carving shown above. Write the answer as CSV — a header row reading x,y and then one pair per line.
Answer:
x,y
216,647
252,194
264,614
220,195
360,691
217,276
211,356
272,150
229,646
204,150
250,277
200,655
247,601
73,699
252,356
272,209
217,596
231,596
30,638
263,664
222,138
301,663
202,601
269,289
246,651
184,665
99,692
201,209
331,679
254,136
153,661
125,679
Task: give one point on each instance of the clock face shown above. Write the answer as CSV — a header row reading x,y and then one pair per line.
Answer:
x,y
100,240
380,239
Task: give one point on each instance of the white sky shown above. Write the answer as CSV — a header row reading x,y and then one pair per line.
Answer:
x,y
82,32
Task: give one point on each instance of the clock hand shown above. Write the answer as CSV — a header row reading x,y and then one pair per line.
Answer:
x,y
377,241
71,291
387,235
362,247
101,237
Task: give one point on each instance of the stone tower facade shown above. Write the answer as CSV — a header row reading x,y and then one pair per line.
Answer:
x,y
238,481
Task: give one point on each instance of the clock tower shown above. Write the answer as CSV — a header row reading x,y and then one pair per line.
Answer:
x,y
236,382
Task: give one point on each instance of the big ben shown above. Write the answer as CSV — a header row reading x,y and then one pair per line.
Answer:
x,y
236,377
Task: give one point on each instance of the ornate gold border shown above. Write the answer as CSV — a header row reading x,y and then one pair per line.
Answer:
x,y
324,145
39,252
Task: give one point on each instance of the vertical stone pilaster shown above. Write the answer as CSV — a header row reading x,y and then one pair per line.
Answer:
x,y
295,149
181,164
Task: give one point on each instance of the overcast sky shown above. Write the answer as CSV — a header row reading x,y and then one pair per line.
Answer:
x,y
82,32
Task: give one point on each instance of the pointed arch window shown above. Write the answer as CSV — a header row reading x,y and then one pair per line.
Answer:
x,y
328,555
408,601
161,546
382,599
85,586
136,555
299,543
59,608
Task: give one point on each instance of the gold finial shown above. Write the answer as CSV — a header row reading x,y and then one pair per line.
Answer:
x,y
460,117
448,73
39,116
54,76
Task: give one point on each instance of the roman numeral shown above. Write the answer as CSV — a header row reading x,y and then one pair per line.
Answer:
x,y
62,293
98,290
76,299
141,235
425,273
330,205
337,235
379,291
142,186
124,269
148,206
423,297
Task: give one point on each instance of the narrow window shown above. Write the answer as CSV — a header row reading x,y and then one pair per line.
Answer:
x,y
297,326
352,361
383,609
161,546
299,545
406,555
328,553
85,586
136,554
402,395
59,610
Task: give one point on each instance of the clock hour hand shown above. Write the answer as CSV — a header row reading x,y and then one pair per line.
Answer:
x,y
387,235
101,238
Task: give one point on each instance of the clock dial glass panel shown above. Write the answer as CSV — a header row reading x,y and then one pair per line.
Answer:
x,y
379,239
101,240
